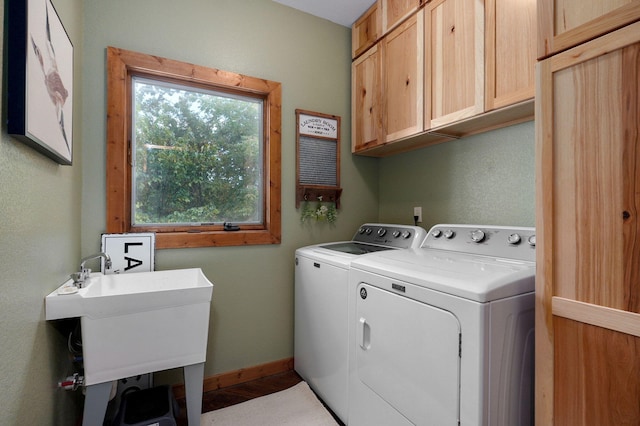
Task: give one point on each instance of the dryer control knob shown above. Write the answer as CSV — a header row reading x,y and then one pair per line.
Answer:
x,y
381,232
406,235
532,240
367,231
449,234
514,239
436,233
396,234
477,236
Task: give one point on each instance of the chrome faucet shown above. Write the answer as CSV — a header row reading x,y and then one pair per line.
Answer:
x,y
81,276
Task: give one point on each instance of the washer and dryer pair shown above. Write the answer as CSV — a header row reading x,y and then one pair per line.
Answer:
x,y
442,334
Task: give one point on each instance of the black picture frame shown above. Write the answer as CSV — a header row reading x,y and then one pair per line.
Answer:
x,y
40,79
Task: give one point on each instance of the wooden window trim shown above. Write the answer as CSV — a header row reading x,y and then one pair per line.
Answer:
x,y
121,65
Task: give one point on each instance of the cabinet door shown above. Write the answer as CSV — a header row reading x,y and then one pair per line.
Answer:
x,y
454,60
365,31
394,11
566,23
403,87
588,229
366,106
510,58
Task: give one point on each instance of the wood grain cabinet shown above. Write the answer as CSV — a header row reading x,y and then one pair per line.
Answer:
x,y
431,78
395,11
454,60
566,23
510,55
366,101
366,31
588,233
403,80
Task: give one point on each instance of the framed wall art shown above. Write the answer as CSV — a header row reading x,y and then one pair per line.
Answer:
x,y
40,79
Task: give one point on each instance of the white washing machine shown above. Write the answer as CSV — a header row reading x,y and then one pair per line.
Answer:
x,y
321,294
444,334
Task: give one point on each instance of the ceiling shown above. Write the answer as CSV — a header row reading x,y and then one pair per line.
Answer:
x,y
343,12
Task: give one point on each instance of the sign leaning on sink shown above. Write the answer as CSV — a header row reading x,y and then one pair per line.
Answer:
x,y
132,252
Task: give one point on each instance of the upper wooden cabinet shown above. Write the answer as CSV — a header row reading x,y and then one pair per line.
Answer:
x,y
566,23
432,84
395,11
366,101
454,60
366,31
510,56
403,79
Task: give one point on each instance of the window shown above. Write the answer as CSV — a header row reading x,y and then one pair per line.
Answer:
x,y
189,149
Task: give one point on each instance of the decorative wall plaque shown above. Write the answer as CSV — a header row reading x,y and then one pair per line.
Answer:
x,y
317,158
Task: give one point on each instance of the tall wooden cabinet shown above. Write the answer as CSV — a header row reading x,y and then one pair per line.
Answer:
x,y
588,230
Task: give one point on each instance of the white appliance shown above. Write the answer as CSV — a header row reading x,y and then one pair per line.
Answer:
x,y
321,294
444,334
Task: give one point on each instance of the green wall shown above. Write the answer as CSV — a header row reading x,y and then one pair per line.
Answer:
x,y
39,247
486,179
252,309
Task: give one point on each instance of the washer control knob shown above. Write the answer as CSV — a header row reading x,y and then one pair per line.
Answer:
x,y
381,232
514,239
361,230
436,233
396,234
477,236
449,234
532,240
367,231
406,234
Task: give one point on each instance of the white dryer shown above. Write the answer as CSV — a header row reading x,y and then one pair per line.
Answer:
x,y
444,334
321,294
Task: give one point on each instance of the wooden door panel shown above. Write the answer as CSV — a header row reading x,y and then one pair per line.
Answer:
x,y
597,169
366,100
394,11
597,375
510,28
563,24
454,51
403,86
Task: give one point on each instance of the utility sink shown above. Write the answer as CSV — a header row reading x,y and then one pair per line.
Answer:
x,y
137,323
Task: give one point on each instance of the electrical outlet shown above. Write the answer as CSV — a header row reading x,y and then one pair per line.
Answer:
x,y
417,211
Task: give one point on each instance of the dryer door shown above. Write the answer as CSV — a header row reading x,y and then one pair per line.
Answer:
x,y
408,354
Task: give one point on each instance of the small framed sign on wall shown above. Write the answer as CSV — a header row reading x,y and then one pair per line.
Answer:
x,y
318,158
132,252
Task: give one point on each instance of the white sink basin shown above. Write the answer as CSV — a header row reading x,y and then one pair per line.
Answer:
x,y
118,294
137,323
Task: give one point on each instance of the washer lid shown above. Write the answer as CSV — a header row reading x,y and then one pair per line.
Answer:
x,y
479,278
355,248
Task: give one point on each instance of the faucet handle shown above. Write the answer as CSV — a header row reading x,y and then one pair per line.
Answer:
x,y
77,277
